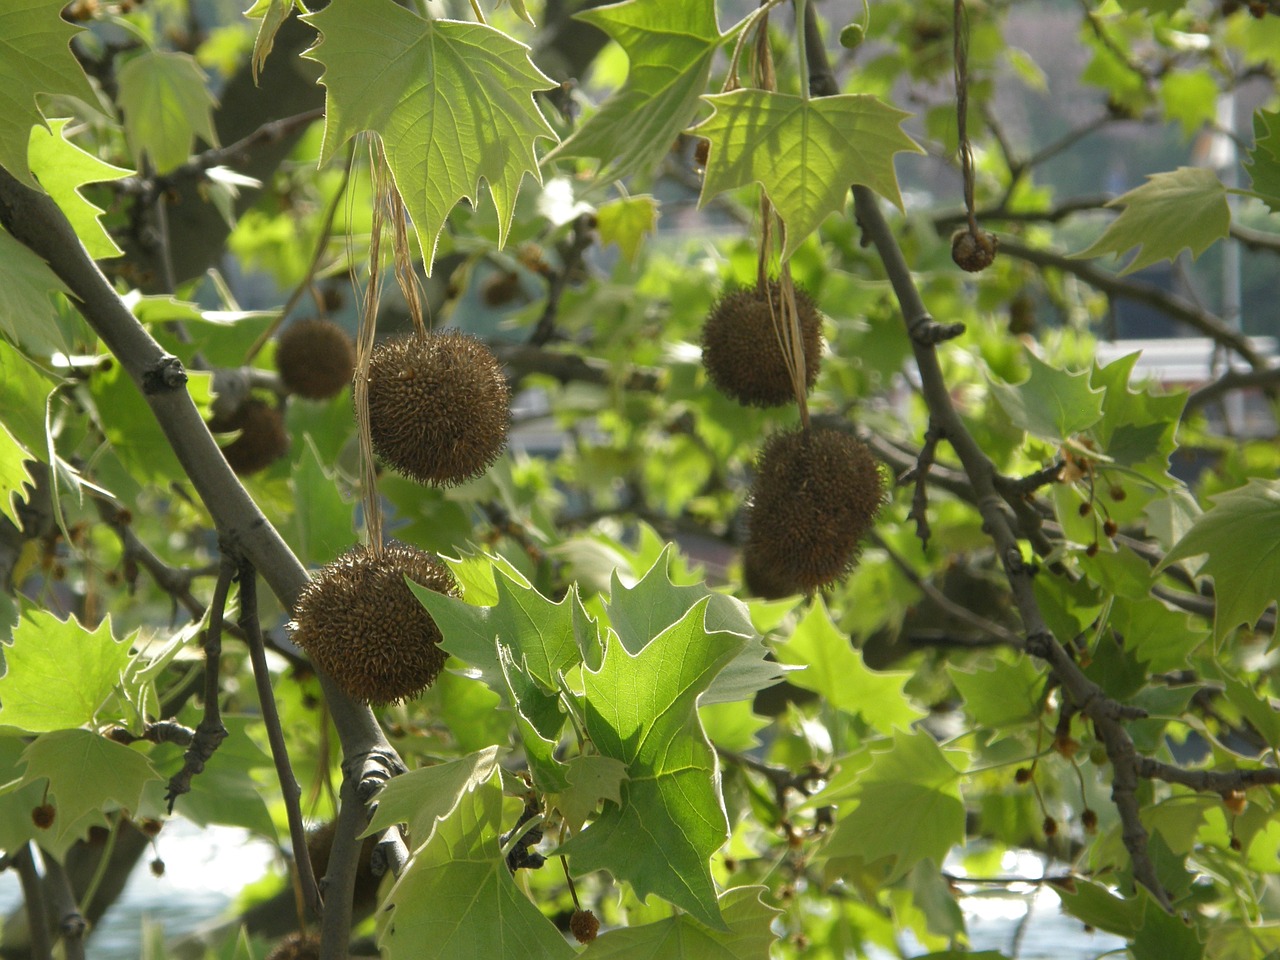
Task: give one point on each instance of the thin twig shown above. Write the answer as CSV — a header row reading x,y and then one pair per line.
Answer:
x,y
211,731
33,896
1177,308
1208,781
289,788
919,474
982,624
582,237
71,924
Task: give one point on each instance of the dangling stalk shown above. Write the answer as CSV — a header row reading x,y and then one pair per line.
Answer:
x,y
364,353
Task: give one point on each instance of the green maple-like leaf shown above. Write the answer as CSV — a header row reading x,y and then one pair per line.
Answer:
x,y
14,477
1183,208
422,797
836,670
57,673
457,897
24,387
1164,936
909,806
88,775
539,635
1240,536
62,169
271,15
1264,158
641,709
1002,694
26,283
35,58
748,937
1051,404
626,222
320,529
806,153
638,614
589,779
452,102
167,104
1138,429
671,47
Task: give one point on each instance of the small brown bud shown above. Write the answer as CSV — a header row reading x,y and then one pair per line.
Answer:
x,y
1050,826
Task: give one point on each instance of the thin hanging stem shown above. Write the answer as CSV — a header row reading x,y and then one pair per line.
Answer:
x,y
800,6
364,353
961,54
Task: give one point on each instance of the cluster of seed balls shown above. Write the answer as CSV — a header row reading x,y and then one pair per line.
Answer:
x,y
816,491
439,410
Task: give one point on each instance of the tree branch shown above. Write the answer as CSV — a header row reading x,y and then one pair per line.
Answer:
x,y
1178,308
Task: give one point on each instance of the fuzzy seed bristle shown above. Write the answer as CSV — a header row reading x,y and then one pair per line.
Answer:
x,y
815,497
316,358
296,946
584,926
439,406
262,439
361,624
742,352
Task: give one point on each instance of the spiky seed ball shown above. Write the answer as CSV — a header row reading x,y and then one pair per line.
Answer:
x,y
361,624
815,496
262,439
742,353
584,926
315,358
439,406
296,946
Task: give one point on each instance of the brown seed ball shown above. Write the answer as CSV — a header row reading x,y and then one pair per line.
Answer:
x,y
439,406
816,495
296,946
361,624
973,253
584,926
316,358
742,352
44,815
262,439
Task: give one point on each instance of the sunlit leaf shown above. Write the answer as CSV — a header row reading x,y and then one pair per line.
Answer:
x,y
806,153
452,102
671,47
62,169
1181,209
1264,159
35,58
626,222
748,936
1051,404
167,104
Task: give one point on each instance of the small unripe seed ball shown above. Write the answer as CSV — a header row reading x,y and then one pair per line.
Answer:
x,y
1067,746
815,497
742,350
439,406
1089,820
1098,754
972,252
1022,775
315,358
262,439
157,867
1050,826
584,926
851,36
44,815
361,624
1235,801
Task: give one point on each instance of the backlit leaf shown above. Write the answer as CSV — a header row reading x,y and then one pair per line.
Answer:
x,y
63,168
166,104
671,47
591,779
1001,694
57,673
13,474
35,58
806,153
458,898
748,937
909,806
422,797
1240,535
641,709
1181,209
87,773
271,15
626,222
1051,404
452,102
1264,159
26,284
836,670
